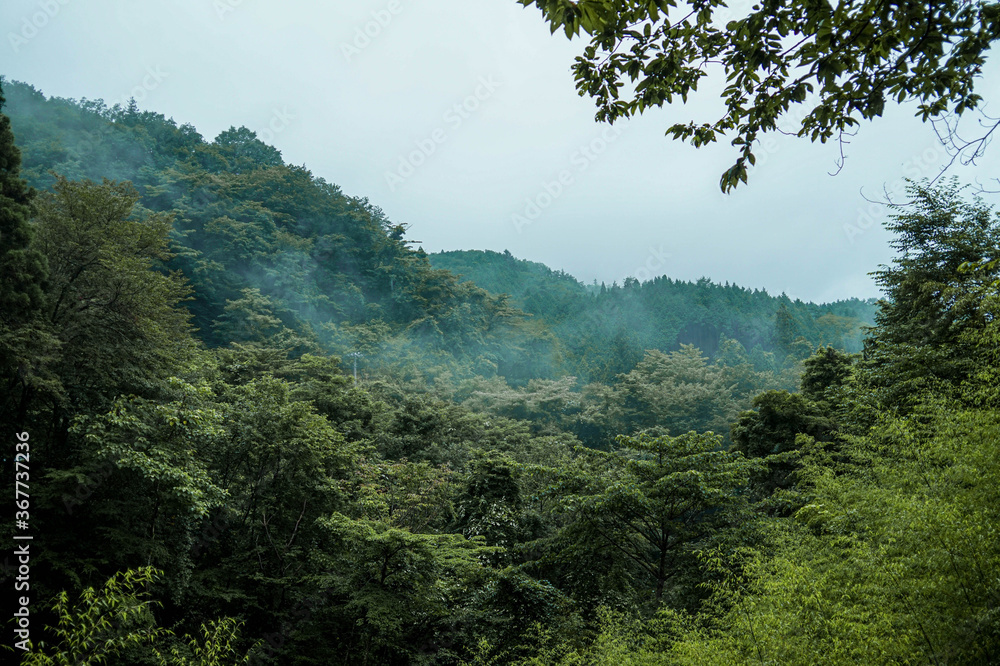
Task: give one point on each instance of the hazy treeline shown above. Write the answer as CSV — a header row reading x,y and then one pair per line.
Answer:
x,y
269,242
604,330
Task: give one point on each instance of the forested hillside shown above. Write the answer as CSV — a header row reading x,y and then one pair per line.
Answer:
x,y
262,428
268,248
600,326
260,239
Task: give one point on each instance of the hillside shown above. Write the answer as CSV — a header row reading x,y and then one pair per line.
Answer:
x,y
260,239
533,287
264,241
250,424
601,327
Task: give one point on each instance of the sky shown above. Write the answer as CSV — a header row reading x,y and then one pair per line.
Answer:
x,y
460,119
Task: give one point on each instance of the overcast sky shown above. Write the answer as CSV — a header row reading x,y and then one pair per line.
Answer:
x,y
460,119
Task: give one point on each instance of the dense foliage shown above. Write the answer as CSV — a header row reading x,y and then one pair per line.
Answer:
x,y
533,472
842,61
604,330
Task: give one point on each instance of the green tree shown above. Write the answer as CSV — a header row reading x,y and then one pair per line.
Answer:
x,y
102,625
550,405
777,417
214,645
244,152
924,339
771,431
678,392
22,269
281,466
890,562
117,623
24,342
161,488
490,505
258,320
113,307
654,500
825,370
397,589
739,372
842,61
784,328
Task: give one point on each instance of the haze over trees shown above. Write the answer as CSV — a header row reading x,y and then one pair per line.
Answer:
x,y
265,428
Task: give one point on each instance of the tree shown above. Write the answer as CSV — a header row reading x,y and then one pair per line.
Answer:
x,y
22,280
280,464
784,328
679,391
398,590
738,370
547,404
245,152
22,270
892,561
771,431
490,504
117,623
654,499
777,417
103,624
844,60
257,319
112,305
160,488
925,337
824,370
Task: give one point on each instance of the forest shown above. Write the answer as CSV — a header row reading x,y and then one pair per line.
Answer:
x,y
265,428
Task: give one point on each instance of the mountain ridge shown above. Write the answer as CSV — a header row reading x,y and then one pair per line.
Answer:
x,y
262,240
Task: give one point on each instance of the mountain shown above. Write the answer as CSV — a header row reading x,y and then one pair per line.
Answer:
x,y
510,468
533,287
260,240
601,327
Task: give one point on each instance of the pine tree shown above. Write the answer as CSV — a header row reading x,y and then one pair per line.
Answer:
x,y
784,328
935,306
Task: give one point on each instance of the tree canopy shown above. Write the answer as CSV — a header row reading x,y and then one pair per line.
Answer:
x,y
216,486
843,61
